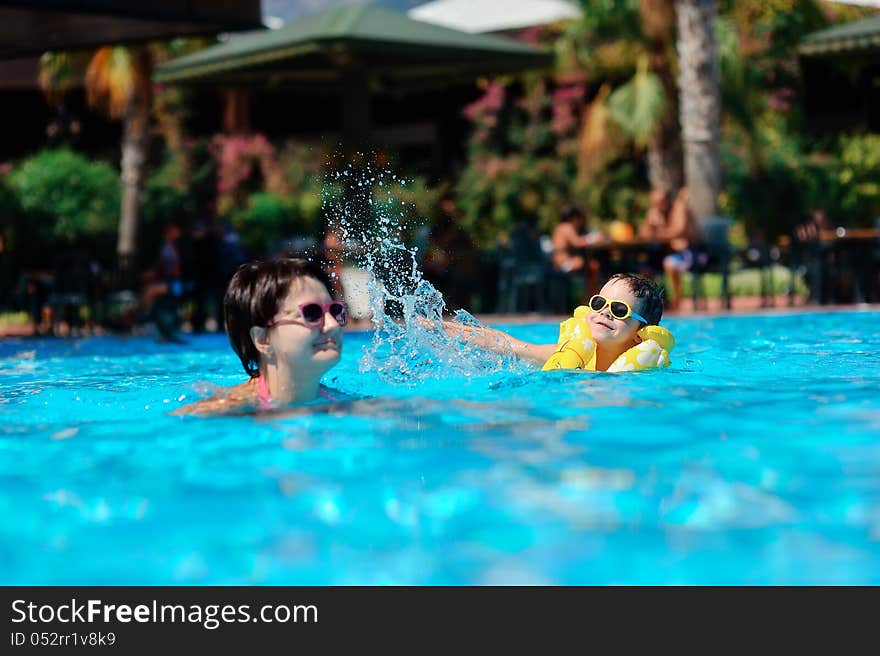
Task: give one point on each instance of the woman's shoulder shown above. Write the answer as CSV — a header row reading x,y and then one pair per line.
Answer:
x,y
223,400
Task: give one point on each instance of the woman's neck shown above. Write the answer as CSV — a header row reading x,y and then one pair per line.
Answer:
x,y
283,389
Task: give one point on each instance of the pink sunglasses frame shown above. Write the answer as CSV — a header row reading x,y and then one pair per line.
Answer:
x,y
325,308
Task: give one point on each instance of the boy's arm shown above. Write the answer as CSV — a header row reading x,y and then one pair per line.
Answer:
x,y
500,342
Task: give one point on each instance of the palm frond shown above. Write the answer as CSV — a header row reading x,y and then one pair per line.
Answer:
x,y
60,72
110,80
637,107
598,143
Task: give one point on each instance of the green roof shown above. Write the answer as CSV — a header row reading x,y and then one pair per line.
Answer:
x,y
375,37
858,36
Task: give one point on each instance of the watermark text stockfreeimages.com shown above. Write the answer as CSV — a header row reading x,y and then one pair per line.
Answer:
x,y
210,616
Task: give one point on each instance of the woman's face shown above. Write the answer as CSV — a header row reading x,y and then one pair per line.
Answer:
x,y
308,350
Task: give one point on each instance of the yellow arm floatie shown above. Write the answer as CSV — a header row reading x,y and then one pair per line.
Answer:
x,y
577,349
570,355
652,352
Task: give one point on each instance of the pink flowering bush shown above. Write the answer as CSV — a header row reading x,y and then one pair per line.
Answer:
x,y
245,164
522,156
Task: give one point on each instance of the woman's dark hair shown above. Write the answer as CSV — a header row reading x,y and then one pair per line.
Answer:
x,y
650,293
253,298
569,212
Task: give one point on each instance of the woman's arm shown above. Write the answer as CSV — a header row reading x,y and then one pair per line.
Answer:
x,y
565,237
500,342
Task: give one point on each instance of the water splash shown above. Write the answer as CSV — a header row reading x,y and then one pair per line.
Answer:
x,y
409,343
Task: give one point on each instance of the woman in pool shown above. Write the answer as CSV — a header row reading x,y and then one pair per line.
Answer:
x,y
286,329
616,331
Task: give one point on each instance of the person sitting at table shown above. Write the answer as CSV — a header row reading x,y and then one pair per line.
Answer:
x,y
451,260
653,229
683,233
811,229
163,286
567,240
813,255
654,224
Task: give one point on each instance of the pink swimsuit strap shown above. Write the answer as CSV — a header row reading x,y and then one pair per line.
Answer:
x,y
263,395
327,395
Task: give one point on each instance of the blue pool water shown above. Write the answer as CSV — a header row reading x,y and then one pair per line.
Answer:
x,y
754,459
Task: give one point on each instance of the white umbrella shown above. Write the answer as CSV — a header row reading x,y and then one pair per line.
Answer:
x,y
494,15
860,3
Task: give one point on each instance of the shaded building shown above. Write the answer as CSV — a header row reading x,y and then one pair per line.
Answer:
x,y
356,75
841,73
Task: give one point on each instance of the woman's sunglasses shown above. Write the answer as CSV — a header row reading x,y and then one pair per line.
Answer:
x,y
313,314
619,309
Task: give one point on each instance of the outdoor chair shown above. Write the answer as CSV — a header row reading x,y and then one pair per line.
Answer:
x,y
856,270
520,285
763,258
72,292
522,274
712,255
811,261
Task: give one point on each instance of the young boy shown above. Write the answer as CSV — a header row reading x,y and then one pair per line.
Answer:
x,y
616,331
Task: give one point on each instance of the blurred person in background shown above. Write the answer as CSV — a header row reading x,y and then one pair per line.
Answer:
x,y
6,276
208,286
451,261
568,241
683,233
231,253
164,286
334,250
813,256
654,225
653,228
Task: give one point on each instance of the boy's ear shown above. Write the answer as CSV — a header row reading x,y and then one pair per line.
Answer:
x,y
260,338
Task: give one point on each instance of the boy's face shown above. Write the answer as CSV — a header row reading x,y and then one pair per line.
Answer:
x,y
611,332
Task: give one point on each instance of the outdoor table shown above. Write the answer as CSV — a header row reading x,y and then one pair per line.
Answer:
x,y
854,252
632,256
833,257
645,256
627,255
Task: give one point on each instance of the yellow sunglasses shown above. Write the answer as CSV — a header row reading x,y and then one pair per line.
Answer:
x,y
619,309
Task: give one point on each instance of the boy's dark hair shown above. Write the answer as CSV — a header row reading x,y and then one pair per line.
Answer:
x,y
253,296
649,291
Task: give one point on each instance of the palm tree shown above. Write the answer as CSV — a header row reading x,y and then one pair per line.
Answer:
x,y
664,153
635,39
699,103
117,82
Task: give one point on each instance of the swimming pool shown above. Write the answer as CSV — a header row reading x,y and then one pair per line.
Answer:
x,y
754,459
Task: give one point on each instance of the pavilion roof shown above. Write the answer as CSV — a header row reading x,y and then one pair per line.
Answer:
x,y
857,36
387,43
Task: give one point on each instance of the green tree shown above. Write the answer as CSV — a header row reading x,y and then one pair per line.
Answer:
x,y
628,46
63,197
117,82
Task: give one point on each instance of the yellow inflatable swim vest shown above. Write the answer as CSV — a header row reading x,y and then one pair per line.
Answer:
x,y
577,349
